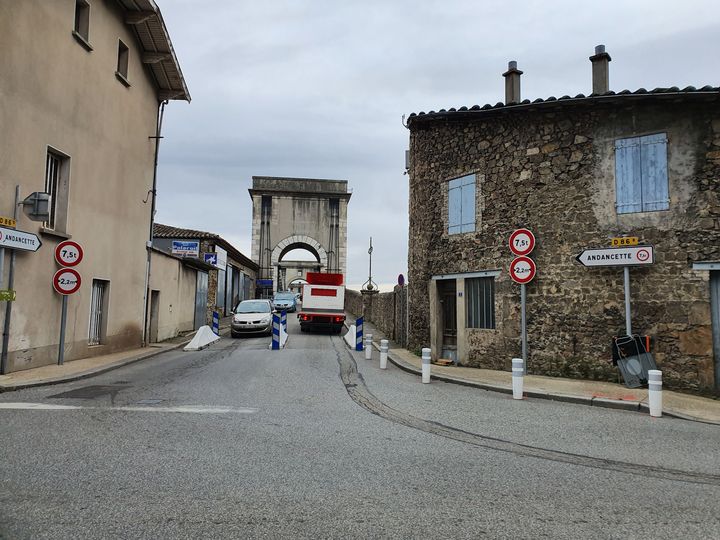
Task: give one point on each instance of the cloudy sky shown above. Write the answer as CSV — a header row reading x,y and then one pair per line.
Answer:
x,y
318,88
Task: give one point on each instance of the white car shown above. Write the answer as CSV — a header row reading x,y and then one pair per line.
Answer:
x,y
252,317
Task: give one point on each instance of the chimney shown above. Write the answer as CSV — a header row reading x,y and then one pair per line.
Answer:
x,y
600,70
512,83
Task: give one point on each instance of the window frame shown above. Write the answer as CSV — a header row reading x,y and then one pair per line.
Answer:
x,y
123,63
642,182
480,302
461,197
81,24
60,192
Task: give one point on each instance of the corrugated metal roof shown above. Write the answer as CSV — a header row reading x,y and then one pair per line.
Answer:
x,y
168,231
145,17
673,92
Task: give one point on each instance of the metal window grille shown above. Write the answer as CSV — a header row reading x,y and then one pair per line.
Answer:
x,y
97,306
52,179
480,302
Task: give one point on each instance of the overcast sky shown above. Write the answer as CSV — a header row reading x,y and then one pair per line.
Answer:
x,y
317,89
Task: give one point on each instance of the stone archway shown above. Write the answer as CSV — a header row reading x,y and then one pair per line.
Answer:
x,y
296,241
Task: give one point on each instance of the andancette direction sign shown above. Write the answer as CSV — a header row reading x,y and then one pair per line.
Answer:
x,y
628,256
25,241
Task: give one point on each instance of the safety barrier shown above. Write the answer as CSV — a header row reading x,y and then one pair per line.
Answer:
x,y
275,332
216,323
359,334
518,369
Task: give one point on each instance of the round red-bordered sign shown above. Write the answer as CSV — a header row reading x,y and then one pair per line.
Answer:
x,y
522,269
68,253
66,281
522,242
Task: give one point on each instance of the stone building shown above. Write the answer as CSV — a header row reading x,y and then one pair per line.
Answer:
x,y
577,171
83,85
227,278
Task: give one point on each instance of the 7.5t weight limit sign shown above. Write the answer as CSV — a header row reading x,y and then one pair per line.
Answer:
x,y
68,253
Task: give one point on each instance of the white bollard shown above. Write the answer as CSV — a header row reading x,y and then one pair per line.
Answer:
x,y
368,346
426,365
383,353
517,378
655,392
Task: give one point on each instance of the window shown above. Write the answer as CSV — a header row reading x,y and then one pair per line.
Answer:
x,y
480,302
57,172
81,28
98,310
461,205
641,177
122,63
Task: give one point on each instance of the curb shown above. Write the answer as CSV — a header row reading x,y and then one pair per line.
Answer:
x,y
632,406
91,372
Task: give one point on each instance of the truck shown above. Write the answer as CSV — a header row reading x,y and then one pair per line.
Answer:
x,y
323,302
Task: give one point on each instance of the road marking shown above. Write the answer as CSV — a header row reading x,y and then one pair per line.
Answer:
x,y
190,409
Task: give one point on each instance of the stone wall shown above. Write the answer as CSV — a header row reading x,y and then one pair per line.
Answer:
x,y
386,311
553,171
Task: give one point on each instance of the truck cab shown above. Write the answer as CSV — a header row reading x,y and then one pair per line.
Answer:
x,y
323,302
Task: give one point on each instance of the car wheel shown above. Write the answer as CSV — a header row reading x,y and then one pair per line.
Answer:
x,y
234,335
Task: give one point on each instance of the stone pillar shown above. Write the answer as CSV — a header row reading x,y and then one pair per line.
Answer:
x,y
600,70
367,304
512,83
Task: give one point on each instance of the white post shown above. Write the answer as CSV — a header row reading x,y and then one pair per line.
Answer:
x,y
368,346
383,353
426,365
517,377
655,392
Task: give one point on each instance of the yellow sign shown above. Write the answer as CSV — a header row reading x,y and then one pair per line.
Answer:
x,y
625,241
7,222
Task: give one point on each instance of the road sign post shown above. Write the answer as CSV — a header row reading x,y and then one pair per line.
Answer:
x,y
522,271
626,256
66,281
11,283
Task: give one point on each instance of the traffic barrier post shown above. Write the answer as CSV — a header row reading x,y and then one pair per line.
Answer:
x,y
518,369
359,334
216,323
655,392
275,332
368,347
383,353
426,365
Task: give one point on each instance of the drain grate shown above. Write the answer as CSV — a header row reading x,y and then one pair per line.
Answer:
x,y
90,392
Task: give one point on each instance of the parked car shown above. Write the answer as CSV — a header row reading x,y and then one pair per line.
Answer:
x,y
252,317
284,301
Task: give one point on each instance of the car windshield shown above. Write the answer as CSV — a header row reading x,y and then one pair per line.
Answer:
x,y
284,296
252,307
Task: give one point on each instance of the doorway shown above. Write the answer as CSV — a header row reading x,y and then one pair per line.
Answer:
x,y
447,295
715,310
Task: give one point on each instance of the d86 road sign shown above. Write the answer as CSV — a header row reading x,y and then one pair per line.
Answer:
x,y
66,281
522,270
68,253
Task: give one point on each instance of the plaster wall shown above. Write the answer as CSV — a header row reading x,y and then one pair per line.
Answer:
x,y
176,283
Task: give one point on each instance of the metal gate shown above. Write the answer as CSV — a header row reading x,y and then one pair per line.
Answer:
x,y
201,290
97,308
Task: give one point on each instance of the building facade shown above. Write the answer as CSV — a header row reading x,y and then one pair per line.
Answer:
x,y
577,172
82,86
227,278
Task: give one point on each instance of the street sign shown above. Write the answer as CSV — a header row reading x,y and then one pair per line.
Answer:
x,y
522,270
25,241
625,241
7,295
7,222
522,242
627,256
186,248
211,258
66,281
68,253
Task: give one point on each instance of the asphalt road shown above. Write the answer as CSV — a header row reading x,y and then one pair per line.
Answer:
x,y
313,441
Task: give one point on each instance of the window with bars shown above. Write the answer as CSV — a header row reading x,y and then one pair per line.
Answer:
x,y
641,177
57,168
480,302
461,205
98,311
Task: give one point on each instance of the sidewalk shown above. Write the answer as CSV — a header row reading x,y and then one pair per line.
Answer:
x,y
87,367
595,393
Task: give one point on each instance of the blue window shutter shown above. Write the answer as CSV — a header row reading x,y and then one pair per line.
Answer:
x,y
628,185
653,156
454,209
468,205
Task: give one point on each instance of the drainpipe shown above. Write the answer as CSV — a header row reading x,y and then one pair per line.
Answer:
x,y
153,194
